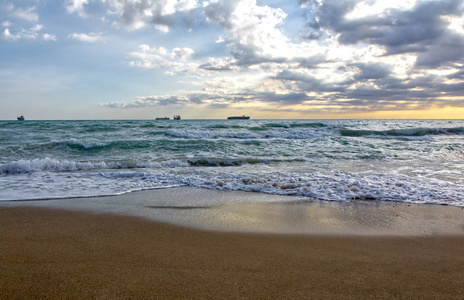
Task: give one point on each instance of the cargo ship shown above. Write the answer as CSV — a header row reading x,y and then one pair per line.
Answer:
x,y
239,118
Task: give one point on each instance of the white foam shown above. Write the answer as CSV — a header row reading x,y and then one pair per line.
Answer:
x,y
54,165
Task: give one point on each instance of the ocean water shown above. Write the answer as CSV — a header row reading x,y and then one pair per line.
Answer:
x,y
414,161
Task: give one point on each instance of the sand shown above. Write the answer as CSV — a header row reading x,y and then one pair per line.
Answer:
x,y
55,254
193,244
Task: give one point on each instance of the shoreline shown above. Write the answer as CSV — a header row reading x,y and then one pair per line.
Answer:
x,y
60,254
235,211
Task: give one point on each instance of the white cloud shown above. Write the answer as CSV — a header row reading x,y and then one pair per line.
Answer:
x,y
6,24
7,35
31,33
49,37
176,60
92,37
77,6
37,27
27,13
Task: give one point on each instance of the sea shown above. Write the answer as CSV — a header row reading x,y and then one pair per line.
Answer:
x,y
413,161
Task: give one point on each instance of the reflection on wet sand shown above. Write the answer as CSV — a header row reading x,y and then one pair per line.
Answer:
x,y
254,212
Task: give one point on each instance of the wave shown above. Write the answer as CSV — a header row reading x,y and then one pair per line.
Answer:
x,y
224,126
54,165
93,146
337,186
210,134
402,132
295,125
247,135
224,162
99,128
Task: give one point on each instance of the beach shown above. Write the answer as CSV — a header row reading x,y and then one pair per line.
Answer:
x,y
67,249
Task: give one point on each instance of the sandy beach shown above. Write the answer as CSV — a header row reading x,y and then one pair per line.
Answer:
x,y
51,252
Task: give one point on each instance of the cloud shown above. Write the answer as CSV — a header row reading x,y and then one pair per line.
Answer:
x,y
253,34
7,35
77,7
83,37
28,13
37,27
368,71
354,55
447,49
49,37
398,30
31,33
137,14
176,60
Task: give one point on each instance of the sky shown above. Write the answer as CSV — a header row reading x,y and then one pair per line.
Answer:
x,y
276,59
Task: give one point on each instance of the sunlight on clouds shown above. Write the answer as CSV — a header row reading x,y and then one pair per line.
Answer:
x,y
456,24
175,60
256,26
309,76
365,9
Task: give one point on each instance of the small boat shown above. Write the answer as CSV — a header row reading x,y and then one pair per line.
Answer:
x,y
21,118
162,119
176,117
239,118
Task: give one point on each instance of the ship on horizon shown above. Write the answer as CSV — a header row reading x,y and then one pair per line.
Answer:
x,y
239,118
162,119
21,118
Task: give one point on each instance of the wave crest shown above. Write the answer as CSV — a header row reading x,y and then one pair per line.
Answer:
x,y
402,132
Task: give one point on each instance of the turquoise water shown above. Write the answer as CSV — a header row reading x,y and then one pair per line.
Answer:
x,y
417,161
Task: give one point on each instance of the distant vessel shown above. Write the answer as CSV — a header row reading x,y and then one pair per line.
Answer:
x,y
239,118
176,117
162,119
21,118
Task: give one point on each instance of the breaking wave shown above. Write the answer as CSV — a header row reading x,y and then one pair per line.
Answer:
x,y
402,132
54,165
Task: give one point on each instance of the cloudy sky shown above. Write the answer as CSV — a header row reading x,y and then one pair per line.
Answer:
x,y
140,59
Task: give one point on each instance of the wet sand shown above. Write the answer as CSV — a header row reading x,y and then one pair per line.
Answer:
x,y
75,253
261,213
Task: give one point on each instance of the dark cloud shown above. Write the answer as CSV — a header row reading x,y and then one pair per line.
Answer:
x,y
219,105
216,67
282,99
371,71
134,12
307,83
421,30
220,12
448,49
